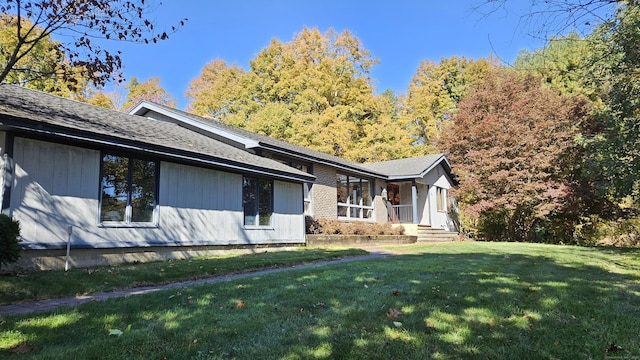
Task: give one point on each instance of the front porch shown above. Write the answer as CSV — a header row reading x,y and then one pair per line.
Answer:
x,y
408,203
417,203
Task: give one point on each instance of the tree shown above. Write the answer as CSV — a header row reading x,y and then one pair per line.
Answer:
x,y
99,98
40,69
147,90
510,142
314,91
387,137
563,63
216,91
616,75
551,18
436,89
80,22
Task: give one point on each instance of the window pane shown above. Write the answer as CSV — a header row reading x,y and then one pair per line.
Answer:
x,y
366,193
306,188
439,199
143,191
341,185
342,211
356,192
249,200
115,170
264,198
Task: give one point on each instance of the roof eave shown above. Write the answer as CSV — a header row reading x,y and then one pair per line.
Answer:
x,y
144,107
440,160
298,155
102,141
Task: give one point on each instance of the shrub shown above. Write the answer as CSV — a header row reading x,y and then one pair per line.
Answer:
x,y
336,227
622,232
9,238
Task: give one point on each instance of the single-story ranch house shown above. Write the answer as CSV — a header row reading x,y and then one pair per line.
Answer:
x,y
160,182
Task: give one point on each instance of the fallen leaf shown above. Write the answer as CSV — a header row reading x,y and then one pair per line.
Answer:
x,y
397,324
396,292
240,304
22,348
115,332
393,314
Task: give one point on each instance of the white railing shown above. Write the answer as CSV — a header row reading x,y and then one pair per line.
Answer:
x,y
402,214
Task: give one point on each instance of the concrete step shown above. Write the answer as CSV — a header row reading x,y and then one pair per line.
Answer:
x,y
429,234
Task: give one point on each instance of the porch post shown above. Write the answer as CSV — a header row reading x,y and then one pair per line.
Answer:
x,y
414,201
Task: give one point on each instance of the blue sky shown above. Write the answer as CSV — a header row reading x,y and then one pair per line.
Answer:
x,y
400,34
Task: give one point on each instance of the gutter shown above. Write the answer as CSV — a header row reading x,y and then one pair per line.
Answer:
x,y
220,163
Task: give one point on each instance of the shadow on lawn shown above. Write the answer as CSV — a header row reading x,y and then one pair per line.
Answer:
x,y
468,305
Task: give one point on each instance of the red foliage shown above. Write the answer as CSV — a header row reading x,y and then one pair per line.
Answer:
x,y
511,142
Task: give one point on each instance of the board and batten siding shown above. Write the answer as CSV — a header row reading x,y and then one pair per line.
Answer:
x,y
437,177
56,186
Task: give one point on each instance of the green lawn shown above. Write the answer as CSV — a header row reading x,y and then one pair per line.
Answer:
x,y
42,285
445,301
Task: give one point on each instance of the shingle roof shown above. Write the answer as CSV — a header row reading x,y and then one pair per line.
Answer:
x,y
271,143
32,110
409,167
396,169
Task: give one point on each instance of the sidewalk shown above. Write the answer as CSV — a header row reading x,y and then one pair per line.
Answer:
x,y
47,305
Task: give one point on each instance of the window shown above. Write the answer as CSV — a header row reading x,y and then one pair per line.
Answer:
x,y
307,187
257,201
128,190
354,197
441,199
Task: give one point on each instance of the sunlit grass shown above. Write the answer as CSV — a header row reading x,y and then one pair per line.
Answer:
x,y
453,301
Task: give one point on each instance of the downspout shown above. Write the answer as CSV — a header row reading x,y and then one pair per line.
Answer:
x,y
7,176
69,233
414,201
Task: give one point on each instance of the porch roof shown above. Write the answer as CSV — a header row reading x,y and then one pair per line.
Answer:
x,y
410,168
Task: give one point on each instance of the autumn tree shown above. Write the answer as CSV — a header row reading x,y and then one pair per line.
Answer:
x,y
387,137
40,69
314,91
563,63
436,89
78,23
511,141
149,90
217,91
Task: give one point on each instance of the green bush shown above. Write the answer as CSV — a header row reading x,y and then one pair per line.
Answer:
x,y
9,238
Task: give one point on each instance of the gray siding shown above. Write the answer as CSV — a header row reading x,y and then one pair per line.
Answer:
x,y
57,186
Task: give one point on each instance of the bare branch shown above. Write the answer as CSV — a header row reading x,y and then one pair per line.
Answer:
x,y
80,21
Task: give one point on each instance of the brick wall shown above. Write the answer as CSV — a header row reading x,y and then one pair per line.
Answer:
x,y
324,195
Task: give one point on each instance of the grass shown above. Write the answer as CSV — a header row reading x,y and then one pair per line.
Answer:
x,y
42,285
449,301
